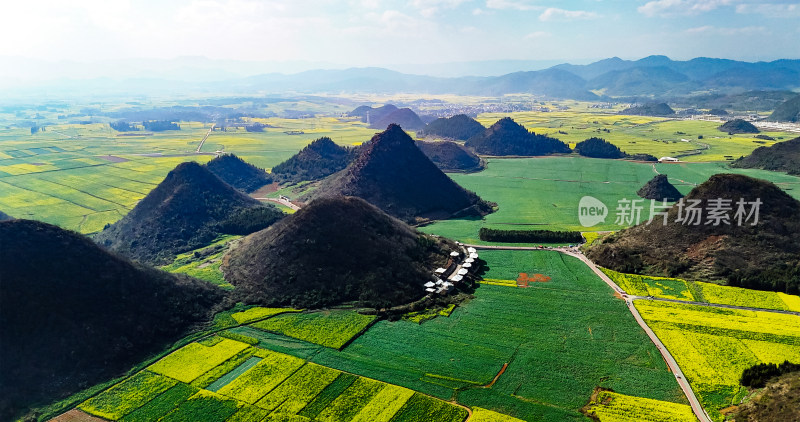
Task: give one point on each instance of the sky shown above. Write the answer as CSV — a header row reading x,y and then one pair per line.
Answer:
x,y
322,33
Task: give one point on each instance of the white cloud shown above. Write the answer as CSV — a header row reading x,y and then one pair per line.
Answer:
x,y
709,29
700,29
538,35
772,10
555,14
523,5
682,7
429,8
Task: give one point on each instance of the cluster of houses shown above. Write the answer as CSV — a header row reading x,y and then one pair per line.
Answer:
x,y
459,266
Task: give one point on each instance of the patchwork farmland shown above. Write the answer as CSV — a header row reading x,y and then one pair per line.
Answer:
x,y
185,385
541,338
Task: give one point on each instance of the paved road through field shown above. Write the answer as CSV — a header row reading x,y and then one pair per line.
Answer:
x,y
697,408
205,137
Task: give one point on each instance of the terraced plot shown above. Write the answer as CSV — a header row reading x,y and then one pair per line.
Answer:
x,y
713,346
612,407
327,328
673,288
278,387
195,359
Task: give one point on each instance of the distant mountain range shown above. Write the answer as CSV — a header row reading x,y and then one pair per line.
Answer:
x,y
654,76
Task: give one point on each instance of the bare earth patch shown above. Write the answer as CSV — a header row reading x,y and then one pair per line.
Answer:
x,y
76,415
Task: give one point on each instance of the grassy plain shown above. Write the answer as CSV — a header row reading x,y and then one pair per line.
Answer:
x,y
713,346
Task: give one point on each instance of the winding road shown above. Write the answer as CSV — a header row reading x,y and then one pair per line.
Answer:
x,y
697,408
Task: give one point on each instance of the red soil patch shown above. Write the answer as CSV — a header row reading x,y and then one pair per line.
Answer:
x,y
502,370
76,415
524,279
260,192
113,158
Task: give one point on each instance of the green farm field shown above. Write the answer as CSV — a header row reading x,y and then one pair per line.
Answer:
x,y
84,176
558,349
543,193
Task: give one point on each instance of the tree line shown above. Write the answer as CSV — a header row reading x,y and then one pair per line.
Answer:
x,y
529,236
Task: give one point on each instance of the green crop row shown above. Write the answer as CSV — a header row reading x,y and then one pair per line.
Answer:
x,y
348,404
384,405
203,406
161,405
421,408
327,328
328,395
128,395
298,390
255,383
195,359
258,313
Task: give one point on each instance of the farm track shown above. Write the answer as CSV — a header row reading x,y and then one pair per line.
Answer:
x,y
697,408
203,141
280,201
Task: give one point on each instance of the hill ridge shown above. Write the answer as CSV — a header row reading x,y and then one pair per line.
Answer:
x,y
182,213
238,173
391,173
335,250
507,137
763,256
75,315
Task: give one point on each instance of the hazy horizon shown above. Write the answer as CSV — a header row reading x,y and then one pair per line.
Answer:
x,y
234,38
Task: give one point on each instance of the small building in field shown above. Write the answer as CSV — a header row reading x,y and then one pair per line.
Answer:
x,y
668,160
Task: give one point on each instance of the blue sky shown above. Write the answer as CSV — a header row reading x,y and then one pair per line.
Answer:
x,y
384,32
